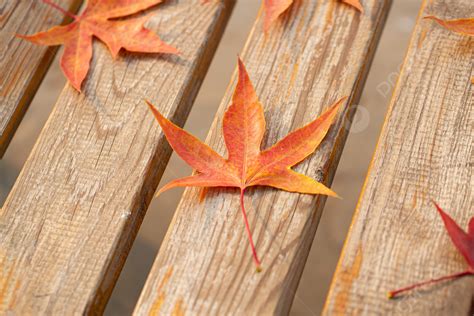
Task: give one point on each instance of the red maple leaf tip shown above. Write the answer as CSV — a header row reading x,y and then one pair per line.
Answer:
x,y
464,242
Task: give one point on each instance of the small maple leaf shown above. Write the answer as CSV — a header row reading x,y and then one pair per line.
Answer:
x,y
461,26
275,8
463,241
247,165
95,21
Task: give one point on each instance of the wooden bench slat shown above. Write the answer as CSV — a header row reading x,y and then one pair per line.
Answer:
x,y
321,53
67,225
425,152
23,65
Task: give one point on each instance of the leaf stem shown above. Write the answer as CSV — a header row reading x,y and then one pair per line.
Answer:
x,y
393,294
57,7
249,233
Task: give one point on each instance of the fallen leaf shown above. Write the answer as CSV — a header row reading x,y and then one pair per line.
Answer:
x,y
273,9
95,21
355,3
461,26
247,165
463,241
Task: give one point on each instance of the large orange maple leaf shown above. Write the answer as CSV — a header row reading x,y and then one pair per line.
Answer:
x,y
95,21
247,165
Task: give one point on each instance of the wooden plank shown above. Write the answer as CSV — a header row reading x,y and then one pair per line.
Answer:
x,y
320,53
67,225
22,64
425,152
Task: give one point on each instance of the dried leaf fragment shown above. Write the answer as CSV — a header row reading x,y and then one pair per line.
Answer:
x,y
275,8
355,3
461,26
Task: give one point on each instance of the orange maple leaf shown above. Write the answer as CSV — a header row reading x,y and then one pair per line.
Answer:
x,y
275,8
247,165
461,26
95,21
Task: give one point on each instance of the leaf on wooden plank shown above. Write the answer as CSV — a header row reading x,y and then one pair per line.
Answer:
x,y
461,26
76,37
355,3
247,165
463,241
275,8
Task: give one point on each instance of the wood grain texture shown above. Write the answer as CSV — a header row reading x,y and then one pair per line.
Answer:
x,y
320,52
67,225
22,64
425,152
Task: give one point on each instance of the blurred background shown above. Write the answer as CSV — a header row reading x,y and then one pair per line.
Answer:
x,y
348,182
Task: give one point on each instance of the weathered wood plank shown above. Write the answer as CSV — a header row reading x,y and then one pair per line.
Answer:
x,y
22,65
321,53
425,152
67,225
